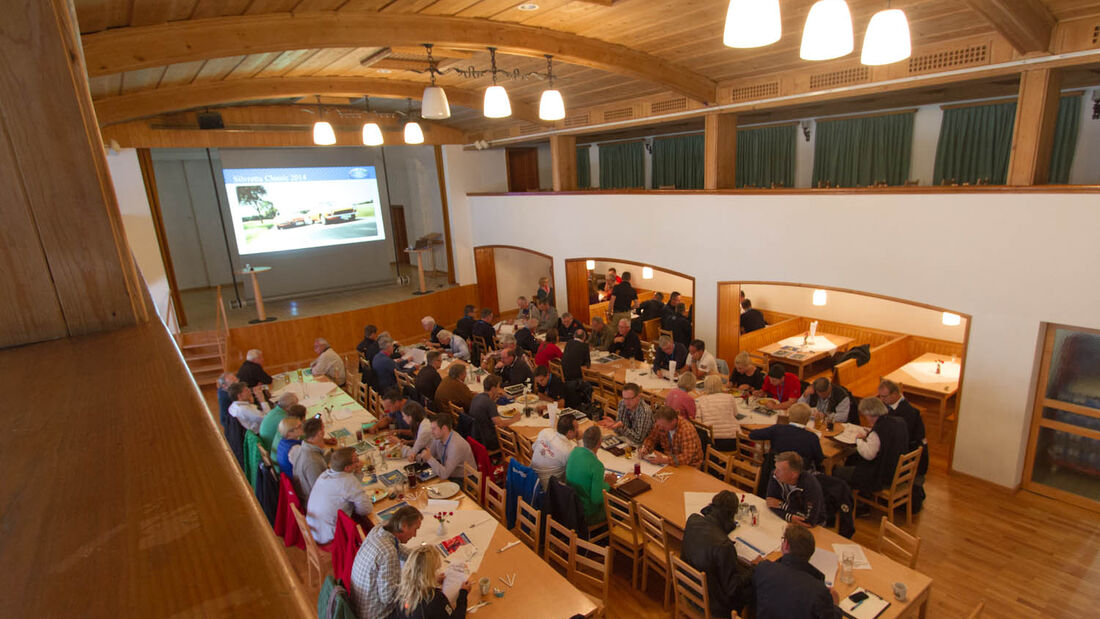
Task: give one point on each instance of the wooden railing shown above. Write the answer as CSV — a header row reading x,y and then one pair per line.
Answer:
x,y
221,330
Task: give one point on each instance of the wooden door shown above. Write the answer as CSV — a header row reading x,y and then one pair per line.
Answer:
x,y
486,268
729,321
400,232
523,169
576,289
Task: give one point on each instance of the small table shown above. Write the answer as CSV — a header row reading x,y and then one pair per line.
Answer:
x,y
261,315
919,377
791,351
419,266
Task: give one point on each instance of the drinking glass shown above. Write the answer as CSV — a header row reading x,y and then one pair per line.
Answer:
x,y
847,567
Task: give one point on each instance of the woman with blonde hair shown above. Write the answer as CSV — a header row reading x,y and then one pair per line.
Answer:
x,y
679,399
718,409
419,595
290,431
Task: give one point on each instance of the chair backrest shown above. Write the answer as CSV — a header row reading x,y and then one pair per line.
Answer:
x,y
690,588
744,474
265,456
559,544
405,380
717,463
977,612
893,540
313,552
495,500
591,568
610,389
524,449
749,449
653,532
361,394
528,524
471,482
455,410
592,377
906,471
621,514
507,440
706,433
555,369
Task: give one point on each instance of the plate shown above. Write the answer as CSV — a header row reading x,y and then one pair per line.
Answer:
x,y
768,402
444,490
530,398
507,413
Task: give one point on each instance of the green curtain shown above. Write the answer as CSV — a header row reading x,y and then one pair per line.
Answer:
x,y
1065,139
621,166
857,152
584,171
678,161
765,156
975,143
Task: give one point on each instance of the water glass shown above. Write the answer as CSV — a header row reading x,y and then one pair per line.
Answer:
x,y
847,567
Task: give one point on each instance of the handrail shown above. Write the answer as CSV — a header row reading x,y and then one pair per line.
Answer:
x,y
221,327
171,320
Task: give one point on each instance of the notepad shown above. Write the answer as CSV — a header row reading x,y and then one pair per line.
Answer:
x,y
826,561
867,609
753,542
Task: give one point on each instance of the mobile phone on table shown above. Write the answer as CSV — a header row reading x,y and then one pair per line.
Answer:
x,y
858,596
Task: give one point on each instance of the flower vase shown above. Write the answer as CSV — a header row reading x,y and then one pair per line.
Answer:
x,y
442,530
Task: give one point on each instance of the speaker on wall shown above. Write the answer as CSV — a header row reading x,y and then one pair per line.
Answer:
x,y
211,120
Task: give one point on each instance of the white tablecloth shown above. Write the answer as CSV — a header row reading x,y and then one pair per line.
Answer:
x,y
925,371
647,381
820,344
346,413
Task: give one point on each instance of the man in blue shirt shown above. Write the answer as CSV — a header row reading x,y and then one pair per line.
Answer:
x,y
668,350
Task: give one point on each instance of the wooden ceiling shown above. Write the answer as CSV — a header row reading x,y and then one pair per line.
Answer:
x,y
147,57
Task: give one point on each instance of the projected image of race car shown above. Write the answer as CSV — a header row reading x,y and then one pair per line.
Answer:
x,y
292,220
334,215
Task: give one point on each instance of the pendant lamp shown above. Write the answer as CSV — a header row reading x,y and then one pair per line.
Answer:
x,y
433,104
887,38
496,98
413,133
828,31
323,135
372,133
551,105
752,23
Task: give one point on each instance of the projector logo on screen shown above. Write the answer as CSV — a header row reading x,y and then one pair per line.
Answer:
x,y
281,209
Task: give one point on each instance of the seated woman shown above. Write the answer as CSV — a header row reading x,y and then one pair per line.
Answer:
x,y
679,399
290,429
745,374
415,418
718,409
418,593
548,350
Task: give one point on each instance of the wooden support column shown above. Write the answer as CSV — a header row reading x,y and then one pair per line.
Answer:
x,y
720,147
729,321
485,266
1033,136
65,265
576,288
563,156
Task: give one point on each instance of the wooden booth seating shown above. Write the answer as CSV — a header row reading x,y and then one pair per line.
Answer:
x,y
885,358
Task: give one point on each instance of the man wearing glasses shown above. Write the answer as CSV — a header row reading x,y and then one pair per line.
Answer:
x,y
634,420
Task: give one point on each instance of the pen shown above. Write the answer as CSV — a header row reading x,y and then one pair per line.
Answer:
x,y
858,603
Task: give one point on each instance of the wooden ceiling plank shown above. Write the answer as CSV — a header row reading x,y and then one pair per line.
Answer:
x,y
1026,24
316,63
217,68
141,79
161,11
448,7
365,5
284,62
181,73
262,7
318,5
106,85
251,65
219,8
513,14
407,6
96,15
487,8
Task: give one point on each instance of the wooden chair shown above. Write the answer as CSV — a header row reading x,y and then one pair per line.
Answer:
x,y
744,474
361,394
555,369
625,536
374,404
900,491
977,612
591,568
266,457
661,332
480,346
893,540
592,377
692,598
558,547
314,560
405,381
717,463
360,534
495,500
655,553
704,430
750,450
524,448
507,439
611,389
471,482
455,410
649,352
528,525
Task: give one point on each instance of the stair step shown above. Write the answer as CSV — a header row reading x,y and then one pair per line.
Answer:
x,y
197,369
189,357
197,345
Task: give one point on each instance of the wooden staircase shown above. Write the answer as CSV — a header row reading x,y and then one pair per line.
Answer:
x,y
204,352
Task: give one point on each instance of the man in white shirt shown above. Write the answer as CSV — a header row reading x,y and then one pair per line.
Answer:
x,y
336,489
550,451
448,451
242,408
328,363
454,345
700,362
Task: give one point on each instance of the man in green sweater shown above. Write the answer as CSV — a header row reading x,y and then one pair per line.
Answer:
x,y
269,427
585,474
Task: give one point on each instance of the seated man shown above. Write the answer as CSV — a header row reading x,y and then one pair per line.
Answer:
x,y
512,368
680,325
243,410
269,427
585,474
707,547
791,587
575,356
782,386
226,379
653,308
548,386
328,363
449,451
252,371
830,402
699,362
890,394
634,419
465,326
794,437
626,343
668,351
602,334
484,328
428,323
670,311
793,493
336,489
567,327
453,389
547,316
524,307
751,319
745,375
385,368
376,571
676,438
551,449
453,345
310,459
483,409
878,451
525,336
428,378
393,401
368,347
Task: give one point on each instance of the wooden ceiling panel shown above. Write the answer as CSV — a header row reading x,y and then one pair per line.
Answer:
x,y
546,7
146,13
406,6
1073,9
218,68
217,8
96,15
251,65
487,8
321,59
285,61
449,7
259,7
105,85
318,5
142,79
182,73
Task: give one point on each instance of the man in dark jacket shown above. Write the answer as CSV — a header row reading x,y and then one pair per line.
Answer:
x,y
708,548
368,347
877,453
890,394
575,356
428,378
513,369
791,587
751,319
525,337
465,326
794,437
793,493
626,342
484,327
668,350
653,308
252,371
680,325
830,402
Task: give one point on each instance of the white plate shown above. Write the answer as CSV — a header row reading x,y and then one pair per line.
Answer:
x,y
444,490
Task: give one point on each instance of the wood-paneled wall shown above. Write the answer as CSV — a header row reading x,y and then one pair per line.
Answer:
x,y
729,321
485,266
284,341
576,289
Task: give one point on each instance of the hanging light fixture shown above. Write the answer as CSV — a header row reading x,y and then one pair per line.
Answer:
x,y
496,98
413,133
887,38
590,265
372,133
647,273
819,297
434,103
323,135
828,31
551,105
752,23
951,320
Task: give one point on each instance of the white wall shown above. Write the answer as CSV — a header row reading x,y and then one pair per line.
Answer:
x,y
854,309
414,184
1012,261
662,281
471,171
546,167
137,219
518,274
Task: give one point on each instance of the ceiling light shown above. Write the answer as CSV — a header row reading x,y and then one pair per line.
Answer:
x,y
590,265
372,134
951,320
647,273
323,135
887,38
496,98
528,6
828,31
819,297
551,105
413,133
434,103
752,23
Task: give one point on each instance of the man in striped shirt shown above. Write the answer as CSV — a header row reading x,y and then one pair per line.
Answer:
x,y
376,572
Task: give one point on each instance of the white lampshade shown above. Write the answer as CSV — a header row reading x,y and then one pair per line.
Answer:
x,y
647,273
372,134
496,103
551,106
752,23
590,265
413,133
434,105
951,320
819,297
887,38
828,31
323,135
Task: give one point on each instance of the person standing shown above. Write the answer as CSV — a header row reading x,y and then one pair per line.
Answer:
x,y
623,299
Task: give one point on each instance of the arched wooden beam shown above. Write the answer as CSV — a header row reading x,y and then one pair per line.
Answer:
x,y
157,101
138,47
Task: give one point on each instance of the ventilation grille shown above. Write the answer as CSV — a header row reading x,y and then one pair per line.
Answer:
x,y
950,58
854,75
500,134
1096,34
526,128
625,113
756,91
668,105
576,120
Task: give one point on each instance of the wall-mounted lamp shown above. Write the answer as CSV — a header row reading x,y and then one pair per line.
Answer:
x,y
590,265
1096,104
806,129
647,273
951,320
820,297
